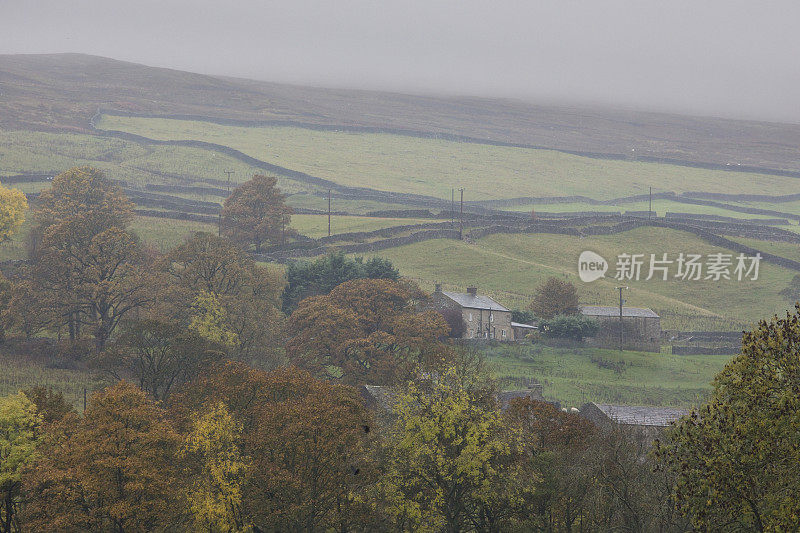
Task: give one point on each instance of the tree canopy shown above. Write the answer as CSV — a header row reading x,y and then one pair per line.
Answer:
x,y
12,211
736,457
319,277
555,297
89,272
366,329
112,470
256,214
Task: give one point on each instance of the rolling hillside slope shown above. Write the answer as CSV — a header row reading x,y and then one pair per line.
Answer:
x,y
62,91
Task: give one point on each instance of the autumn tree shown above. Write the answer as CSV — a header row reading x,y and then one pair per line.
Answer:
x,y
557,447
366,329
555,297
451,462
319,277
88,269
311,456
308,442
12,211
51,406
736,457
158,356
213,447
26,310
256,213
209,320
243,296
18,439
5,301
112,470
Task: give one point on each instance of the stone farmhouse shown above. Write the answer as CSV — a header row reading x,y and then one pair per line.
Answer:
x,y
483,317
642,323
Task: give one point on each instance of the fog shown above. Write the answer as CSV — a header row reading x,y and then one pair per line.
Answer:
x,y
710,57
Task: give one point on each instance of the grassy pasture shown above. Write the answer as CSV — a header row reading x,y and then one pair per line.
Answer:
x,y
316,226
20,373
24,152
510,267
660,207
434,166
570,375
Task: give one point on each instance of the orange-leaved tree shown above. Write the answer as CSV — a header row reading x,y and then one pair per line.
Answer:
x,y
366,330
256,213
112,470
308,444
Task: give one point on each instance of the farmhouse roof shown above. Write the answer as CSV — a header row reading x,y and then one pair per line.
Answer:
x,y
378,396
474,301
641,415
610,310
523,326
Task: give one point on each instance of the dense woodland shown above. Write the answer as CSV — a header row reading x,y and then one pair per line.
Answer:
x,y
234,402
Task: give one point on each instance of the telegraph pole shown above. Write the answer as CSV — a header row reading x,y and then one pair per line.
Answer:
x,y
621,337
461,227
452,207
329,212
229,172
650,208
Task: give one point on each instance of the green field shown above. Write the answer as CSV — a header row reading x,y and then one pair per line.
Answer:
x,y
570,376
24,152
510,267
20,373
660,207
316,226
434,166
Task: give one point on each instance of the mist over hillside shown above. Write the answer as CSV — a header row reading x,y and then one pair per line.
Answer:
x,y
61,92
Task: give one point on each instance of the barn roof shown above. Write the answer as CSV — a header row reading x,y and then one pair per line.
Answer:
x,y
476,301
639,415
610,310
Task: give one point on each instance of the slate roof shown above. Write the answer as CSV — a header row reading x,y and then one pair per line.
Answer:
x,y
378,396
602,310
478,301
642,415
524,326
505,397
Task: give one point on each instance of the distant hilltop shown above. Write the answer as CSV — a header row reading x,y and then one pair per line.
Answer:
x,y
61,92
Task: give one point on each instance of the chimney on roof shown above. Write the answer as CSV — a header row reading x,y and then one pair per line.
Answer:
x,y
472,291
438,287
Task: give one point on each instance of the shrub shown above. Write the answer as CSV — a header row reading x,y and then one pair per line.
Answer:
x,y
569,327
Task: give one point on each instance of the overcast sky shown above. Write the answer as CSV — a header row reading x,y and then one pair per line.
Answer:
x,y
713,57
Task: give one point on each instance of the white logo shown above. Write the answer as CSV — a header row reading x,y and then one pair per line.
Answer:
x,y
591,266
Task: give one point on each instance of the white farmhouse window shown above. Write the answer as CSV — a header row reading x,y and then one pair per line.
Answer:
x,y
470,317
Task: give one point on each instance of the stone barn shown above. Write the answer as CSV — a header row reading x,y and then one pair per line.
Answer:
x,y
640,325
644,421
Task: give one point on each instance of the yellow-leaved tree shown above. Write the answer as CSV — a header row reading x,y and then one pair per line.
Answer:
x,y
453,465
208,320
215,500
18,438
12,211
